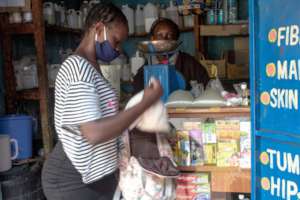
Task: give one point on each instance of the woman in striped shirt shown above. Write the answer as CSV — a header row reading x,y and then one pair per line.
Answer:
x,y
84,162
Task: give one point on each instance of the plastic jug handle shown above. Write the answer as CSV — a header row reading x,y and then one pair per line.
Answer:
x,y
15,143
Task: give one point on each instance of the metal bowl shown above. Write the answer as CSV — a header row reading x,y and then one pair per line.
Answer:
x,y
158,46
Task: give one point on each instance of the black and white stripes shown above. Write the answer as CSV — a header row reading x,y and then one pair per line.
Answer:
x,y
83,95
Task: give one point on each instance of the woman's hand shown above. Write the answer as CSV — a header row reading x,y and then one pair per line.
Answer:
x,y
152,93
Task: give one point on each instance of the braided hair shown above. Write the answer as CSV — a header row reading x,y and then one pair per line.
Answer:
x,y
106,13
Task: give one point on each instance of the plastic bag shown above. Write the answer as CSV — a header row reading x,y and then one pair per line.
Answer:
x,y
180,98
154,119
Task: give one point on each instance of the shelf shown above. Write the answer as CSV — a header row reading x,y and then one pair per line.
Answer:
x,y
60,29
210,168
183,30
224,30
27,28
225,179
209,112
30,94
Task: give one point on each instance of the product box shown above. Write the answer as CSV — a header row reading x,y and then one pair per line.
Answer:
x,y
228,153
228,129
197,152
188,126
209,133
193,186
210,151
183,153
245,144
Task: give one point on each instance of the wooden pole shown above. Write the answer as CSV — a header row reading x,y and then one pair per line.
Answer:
x,y
39,38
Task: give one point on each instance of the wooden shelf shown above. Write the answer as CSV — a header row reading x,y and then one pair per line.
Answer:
x,y
209,112
224,30
183,30
210,168
30,94
60,29
24,28
225,179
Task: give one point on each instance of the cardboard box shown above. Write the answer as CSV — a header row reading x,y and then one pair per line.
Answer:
x,y
15,6
228,154
237,71
228,129
241,43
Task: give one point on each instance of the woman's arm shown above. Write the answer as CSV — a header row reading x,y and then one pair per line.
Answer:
x,y
105,129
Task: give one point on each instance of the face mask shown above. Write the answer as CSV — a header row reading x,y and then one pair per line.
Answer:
x,y
104,51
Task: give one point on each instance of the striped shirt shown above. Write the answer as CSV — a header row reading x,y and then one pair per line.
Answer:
x,y
83,95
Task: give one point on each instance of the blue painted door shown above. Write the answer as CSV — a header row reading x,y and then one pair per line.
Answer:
x,y
275,84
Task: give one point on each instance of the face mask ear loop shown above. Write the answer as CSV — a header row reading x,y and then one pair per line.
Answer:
x,y
105,34
96,37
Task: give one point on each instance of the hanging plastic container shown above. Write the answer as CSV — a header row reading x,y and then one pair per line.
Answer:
x,y
129,13
136,63
139,19
19,128
150,15
172,13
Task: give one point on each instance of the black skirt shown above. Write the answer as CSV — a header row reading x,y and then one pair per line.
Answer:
x,y
61,181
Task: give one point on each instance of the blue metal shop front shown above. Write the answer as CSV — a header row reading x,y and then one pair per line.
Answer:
x,y
275,84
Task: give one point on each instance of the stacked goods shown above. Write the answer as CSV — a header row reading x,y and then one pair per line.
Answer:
x,y
193,187
210,141
228,134
196,143
245,144
183,152
228,154
224,143
228,129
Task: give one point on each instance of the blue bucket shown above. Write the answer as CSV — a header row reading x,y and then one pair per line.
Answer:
x,y
18,127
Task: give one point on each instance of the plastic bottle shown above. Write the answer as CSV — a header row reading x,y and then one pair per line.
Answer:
x,y
139,19
136,63
188,21
172,13
162,11
129,13
150,15
225,9
232,11
85,10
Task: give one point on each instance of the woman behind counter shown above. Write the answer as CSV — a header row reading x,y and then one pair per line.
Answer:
x,y
166,29
84,162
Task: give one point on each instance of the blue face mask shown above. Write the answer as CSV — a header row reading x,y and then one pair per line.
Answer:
x,y
104,51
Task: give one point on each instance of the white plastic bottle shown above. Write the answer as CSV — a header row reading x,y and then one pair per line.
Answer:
x,y
172,13
139,19
85,10
150,15
129,13
136,62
